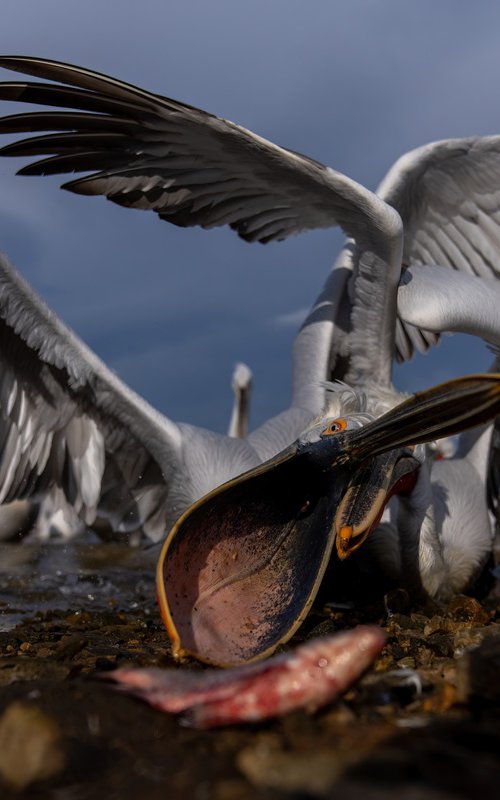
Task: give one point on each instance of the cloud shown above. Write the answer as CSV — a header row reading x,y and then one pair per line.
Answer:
x,y
291,319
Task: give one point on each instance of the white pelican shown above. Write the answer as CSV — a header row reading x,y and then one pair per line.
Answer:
x,y
242,387
53,518
106,445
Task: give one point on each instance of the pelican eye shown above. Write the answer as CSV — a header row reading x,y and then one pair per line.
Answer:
x,y
337,426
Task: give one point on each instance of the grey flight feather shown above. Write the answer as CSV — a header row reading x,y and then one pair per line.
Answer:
x,y
68,422
193,168
448,196
65,419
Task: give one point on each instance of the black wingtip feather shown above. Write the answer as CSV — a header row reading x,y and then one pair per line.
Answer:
x,y
66,121
80,162
77,76
65,143
48,94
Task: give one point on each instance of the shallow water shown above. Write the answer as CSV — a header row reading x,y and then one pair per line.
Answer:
x,y
95,576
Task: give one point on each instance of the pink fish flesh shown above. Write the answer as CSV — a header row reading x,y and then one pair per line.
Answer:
x,y
307,677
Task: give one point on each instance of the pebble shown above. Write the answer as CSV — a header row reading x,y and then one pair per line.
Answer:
x,y
406,663
397,601
268,766
468,609
30,746
477,673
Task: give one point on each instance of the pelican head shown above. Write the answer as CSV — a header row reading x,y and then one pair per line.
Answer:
x,y
240,569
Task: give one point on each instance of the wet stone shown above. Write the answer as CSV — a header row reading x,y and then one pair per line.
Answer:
x,y
406,663
69,646
398,687
478,673
268,766
397,602
31,747
435,624
17,669
440,643
468,609
325,628
418,622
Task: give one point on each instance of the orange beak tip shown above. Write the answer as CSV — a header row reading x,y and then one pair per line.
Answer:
x,y
343,540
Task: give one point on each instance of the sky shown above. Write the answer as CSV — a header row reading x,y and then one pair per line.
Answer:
x,y
352,84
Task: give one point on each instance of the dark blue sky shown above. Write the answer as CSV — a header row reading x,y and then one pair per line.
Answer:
x,y
353,84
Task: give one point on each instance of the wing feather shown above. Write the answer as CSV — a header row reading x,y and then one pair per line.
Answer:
x,y
448,196
67,421
190,167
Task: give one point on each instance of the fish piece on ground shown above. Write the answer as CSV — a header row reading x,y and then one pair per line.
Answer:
x,y
308,677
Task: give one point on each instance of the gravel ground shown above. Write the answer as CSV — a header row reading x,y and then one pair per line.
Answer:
x,y
424,722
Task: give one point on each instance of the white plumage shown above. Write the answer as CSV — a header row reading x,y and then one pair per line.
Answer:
x,y
191,168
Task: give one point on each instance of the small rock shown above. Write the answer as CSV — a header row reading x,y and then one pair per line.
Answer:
x,y
441,700
324,628
397,688
441,644
418,621
469,637
398,621
406,663
70,646
383,663
19,668
339,714
30,746
268,766
233,789
43,652
397,601
436,623
24,647
468,609
425,657
477,673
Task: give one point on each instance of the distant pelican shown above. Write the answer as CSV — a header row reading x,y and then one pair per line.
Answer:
x,y
115,455
242,387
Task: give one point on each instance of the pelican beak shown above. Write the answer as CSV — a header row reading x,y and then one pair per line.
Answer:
x,y
369,490
441,411
240,569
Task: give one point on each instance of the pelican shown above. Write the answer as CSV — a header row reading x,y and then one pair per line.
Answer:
x,y
114,454
242,387
54,518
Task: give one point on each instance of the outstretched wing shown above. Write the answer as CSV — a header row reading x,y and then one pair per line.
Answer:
x,y
149,152
448,196
66,420
192,168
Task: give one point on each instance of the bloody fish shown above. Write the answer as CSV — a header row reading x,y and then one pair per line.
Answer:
x,y
308,677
